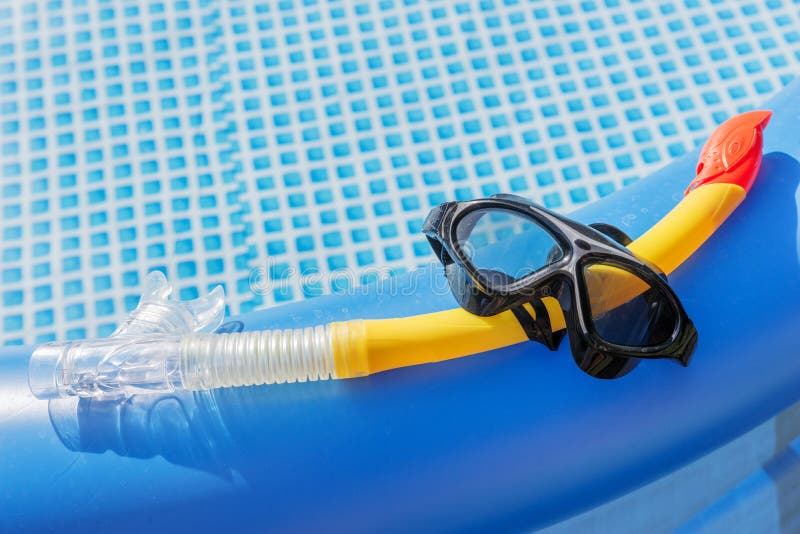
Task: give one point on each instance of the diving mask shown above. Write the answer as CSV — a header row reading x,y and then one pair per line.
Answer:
x,y
506,253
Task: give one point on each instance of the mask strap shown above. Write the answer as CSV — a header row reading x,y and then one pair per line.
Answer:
x,y
538,329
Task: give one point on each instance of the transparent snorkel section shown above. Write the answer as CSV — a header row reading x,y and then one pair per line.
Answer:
x,y
141,355
165,345
106,367
157,313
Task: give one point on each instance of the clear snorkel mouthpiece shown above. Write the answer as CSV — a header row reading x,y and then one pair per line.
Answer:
x,y
141,354
106,367
157,313
165,345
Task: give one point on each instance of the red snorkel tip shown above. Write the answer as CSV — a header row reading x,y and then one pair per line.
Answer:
x,y
732,154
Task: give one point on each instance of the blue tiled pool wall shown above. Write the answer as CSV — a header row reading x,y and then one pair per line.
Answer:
x,y
215,140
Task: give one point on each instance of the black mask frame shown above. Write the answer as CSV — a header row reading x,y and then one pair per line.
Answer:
x,y
562,278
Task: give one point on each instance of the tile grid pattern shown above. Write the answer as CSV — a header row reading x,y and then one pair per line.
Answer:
x,y
285,143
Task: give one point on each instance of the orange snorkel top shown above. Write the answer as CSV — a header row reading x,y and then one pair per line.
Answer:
x,y
732,154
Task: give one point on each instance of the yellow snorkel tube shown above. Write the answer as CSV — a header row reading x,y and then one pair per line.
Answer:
x,y
184,359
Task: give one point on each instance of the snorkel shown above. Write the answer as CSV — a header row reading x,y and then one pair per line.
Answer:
x,y
146,357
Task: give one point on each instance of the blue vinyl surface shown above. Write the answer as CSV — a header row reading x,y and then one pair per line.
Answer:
x,y
512,439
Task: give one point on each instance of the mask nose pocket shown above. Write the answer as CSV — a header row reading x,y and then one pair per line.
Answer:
x,y
597,364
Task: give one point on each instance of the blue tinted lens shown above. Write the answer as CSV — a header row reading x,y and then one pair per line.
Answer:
x,y
505,245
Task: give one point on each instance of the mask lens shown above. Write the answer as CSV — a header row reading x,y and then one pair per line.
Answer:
x,y
625,309
505,245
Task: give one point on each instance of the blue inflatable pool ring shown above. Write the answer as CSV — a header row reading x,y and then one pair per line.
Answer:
x,y
510,439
